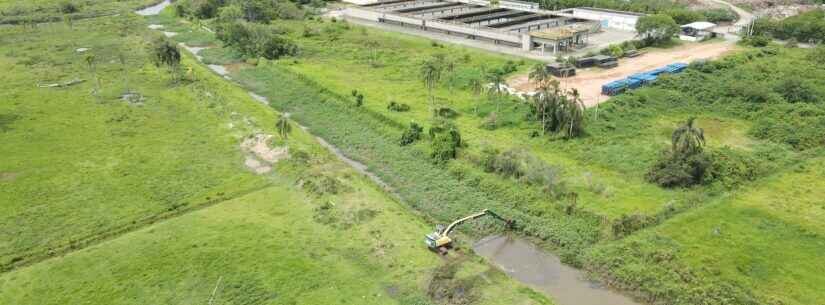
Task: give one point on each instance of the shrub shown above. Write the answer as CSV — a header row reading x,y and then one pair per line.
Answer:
x,y
679,169
444,148
255,40
758,41
730,168
411,134
359,100
719,15
795,89
67,7
398,107
446,112
817,55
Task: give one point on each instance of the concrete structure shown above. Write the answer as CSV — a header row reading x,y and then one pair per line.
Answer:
x,y
513,23
698,31
608,18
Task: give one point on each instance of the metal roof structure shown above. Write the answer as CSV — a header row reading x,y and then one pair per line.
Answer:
x,y
700,25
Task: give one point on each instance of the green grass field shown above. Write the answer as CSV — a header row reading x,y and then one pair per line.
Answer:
x,y
766,238
78,166
673,260
109,201
14,12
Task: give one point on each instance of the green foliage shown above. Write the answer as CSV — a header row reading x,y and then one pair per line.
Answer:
x,y
283,126
398,107
805,27
255,40
731,168
758,41
797,89
657,28
411,134
687,139
165,52
67,7
444,148
684,16
817,55
718,15
679,170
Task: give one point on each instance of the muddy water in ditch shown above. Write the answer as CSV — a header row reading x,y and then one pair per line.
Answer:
x,y
545,272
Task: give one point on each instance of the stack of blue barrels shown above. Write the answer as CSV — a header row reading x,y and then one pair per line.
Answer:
x,y
637,80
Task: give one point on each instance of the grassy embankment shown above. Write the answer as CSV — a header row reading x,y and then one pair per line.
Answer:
x,y
620,147
15,12
149,201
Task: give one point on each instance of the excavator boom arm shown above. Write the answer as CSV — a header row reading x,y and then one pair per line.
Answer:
x,y
471,217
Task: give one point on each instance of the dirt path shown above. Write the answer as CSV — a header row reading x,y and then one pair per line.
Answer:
x,y
589,81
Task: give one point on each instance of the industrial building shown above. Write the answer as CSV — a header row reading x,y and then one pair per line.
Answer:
x,y
512,23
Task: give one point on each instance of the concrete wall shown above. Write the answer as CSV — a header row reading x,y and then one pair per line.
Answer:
x,y
613,20
434,24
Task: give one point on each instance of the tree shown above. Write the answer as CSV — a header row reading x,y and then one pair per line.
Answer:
x,y
539,75
477,88
496,90
656,28
571,114
687,139
430,74
546,104
283,126
166,53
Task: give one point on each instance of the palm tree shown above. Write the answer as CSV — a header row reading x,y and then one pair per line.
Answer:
x,y
283,126
449,66
571,114
477,88
688,139
496,89
430,74
546,102
539,75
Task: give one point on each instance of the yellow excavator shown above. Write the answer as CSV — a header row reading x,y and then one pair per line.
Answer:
x,y
440,240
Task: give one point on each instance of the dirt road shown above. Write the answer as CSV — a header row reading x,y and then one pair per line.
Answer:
x,y
589,81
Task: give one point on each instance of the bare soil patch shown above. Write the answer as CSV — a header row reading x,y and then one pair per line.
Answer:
x,y
8,176
261,155
589,81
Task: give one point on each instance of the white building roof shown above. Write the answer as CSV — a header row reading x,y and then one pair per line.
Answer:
x,y
701,25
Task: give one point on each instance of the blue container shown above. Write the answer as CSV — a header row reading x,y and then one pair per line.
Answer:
x,y
676,67
645,78
614,87
633,83
659,71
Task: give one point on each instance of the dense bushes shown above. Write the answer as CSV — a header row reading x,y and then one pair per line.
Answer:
x,y
657,28
524,167
261,11
779,90
679,169
805,27
255,40
411,134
